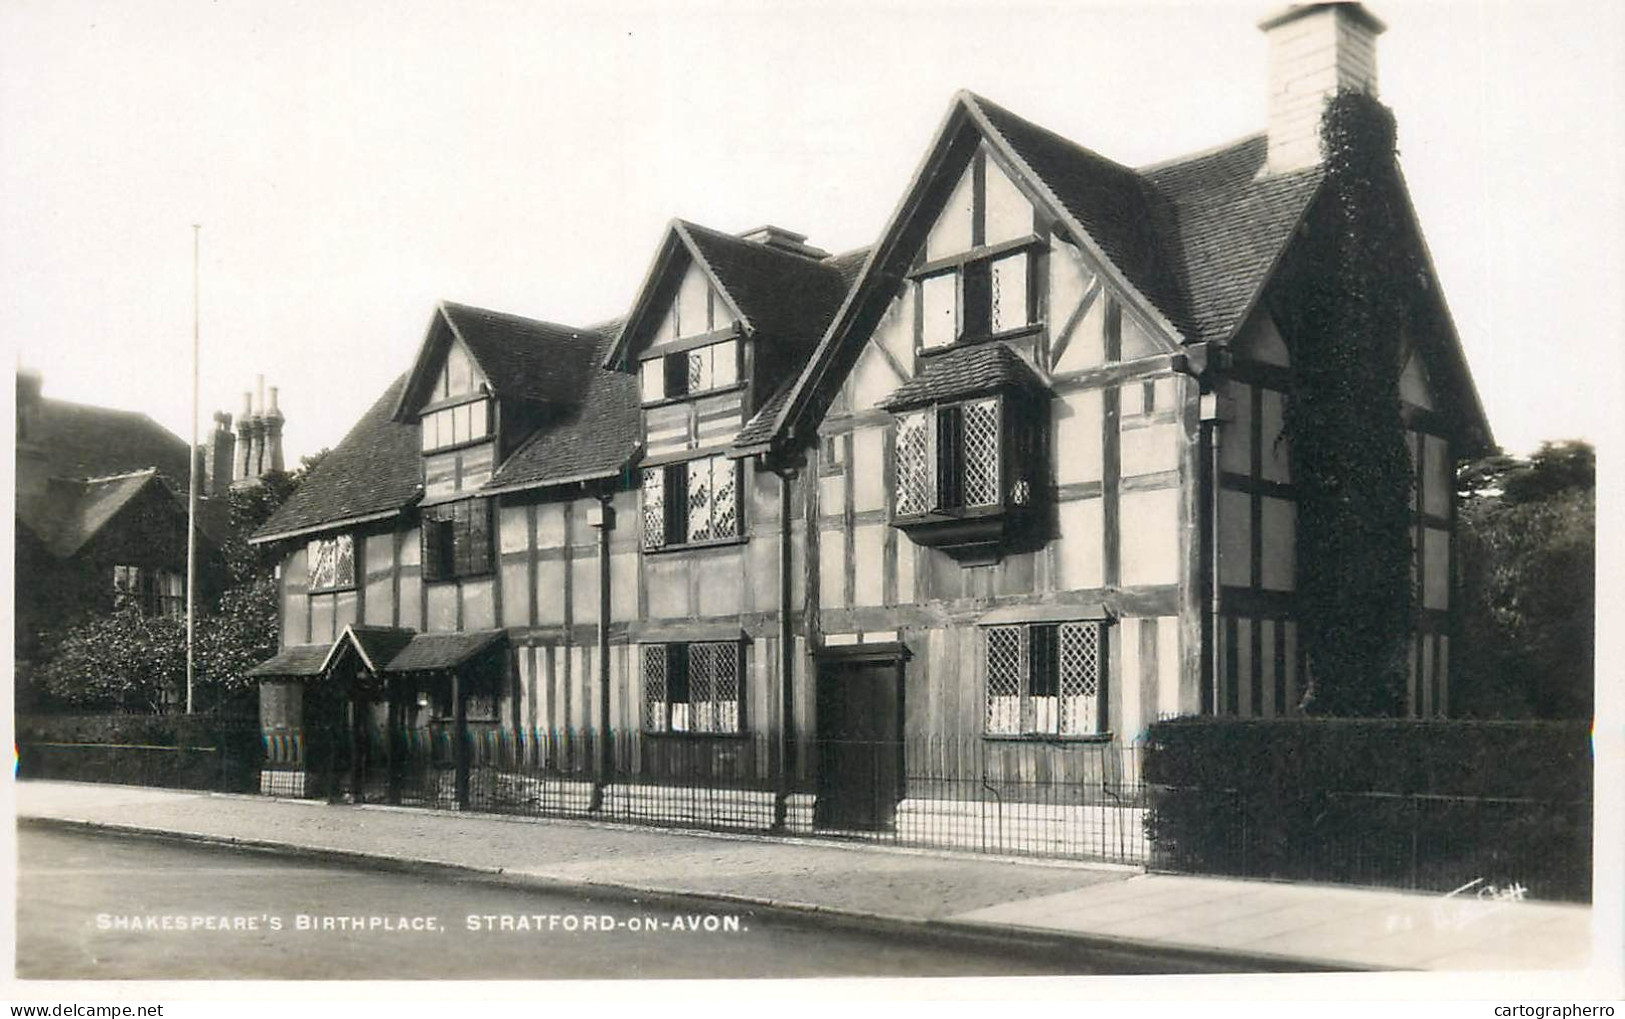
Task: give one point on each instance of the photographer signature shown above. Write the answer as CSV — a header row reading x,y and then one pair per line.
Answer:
x,y
1457,908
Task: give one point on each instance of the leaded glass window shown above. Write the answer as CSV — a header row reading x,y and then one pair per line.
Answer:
x,y
691,502
1045,679
332,563
693,687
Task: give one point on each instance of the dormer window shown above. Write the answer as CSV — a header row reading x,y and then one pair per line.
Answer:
x,y
456,425
977,299
688,372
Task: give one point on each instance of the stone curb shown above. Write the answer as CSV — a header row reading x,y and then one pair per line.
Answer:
x,y
1137,955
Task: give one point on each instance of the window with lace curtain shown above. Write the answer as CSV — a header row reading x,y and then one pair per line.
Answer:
x,y
1045,679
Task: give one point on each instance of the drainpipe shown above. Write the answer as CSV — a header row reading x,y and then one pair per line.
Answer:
x,y
787,657
1199,362
603,518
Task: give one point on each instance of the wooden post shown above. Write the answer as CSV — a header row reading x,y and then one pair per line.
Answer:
x,y
787,658
459,737
605,522
357,775
392,726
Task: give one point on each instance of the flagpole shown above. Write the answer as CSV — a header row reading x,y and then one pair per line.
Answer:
x,y
191,499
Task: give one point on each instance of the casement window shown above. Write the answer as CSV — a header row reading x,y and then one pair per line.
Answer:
x,y
457,539
1045,679
154,592
455,426
692,502
687,372
976,300
693,687
332,563
964,456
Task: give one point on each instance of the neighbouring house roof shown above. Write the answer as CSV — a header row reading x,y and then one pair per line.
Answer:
x,y
76,440
963,373
69,512
373,470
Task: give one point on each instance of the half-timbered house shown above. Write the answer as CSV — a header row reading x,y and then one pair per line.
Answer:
x,y
875,538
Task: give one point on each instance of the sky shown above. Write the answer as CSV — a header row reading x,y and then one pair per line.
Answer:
x,y
353,163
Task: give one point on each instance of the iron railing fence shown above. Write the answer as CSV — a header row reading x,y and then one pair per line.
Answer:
x,y
1515,847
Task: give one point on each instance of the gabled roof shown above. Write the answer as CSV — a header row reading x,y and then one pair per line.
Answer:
x,y
373,471
376,471
71,512
376,645
77,440
1190,243
597,438
785,299
522,358
963,373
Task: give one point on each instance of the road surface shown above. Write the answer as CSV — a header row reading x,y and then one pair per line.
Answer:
x,y
102,906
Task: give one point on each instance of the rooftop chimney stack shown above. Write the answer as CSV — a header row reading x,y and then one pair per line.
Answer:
x,y
1315,49
219,464
273,436
242,470
780,239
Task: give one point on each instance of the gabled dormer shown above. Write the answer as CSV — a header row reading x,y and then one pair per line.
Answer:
x,y
720,323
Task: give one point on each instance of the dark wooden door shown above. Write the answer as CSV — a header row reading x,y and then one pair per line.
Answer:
x,y
860,744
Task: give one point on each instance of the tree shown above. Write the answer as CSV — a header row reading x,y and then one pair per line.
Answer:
x,y
124,661
1528,570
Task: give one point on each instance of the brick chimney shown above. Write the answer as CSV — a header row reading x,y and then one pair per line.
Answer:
x,y
242,470
273,436
1315,49
219,464
778,238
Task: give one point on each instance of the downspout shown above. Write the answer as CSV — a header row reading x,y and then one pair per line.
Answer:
x,y
605,523
1199,362
787,656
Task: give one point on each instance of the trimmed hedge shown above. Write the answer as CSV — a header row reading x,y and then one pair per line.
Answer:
x,y
1430,805
175,751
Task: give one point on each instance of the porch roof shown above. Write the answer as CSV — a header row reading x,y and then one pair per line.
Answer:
x,y
294,660
427,652
377,645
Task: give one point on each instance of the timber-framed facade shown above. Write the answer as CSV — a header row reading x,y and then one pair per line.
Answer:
x,y
1013,478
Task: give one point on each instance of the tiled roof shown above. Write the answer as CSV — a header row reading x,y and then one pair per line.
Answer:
x,y
968,371
788,299
1115,205
380,644
523,358
81,441
70,512
1231,227
374,469
594,439
293,660
427,651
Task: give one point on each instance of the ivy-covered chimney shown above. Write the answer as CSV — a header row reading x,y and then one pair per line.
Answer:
x,y
1315,49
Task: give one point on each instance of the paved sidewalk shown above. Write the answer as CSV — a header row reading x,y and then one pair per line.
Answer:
x,y
1229,923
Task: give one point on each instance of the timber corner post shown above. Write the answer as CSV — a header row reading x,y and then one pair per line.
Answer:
x,y
786,757
602,517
